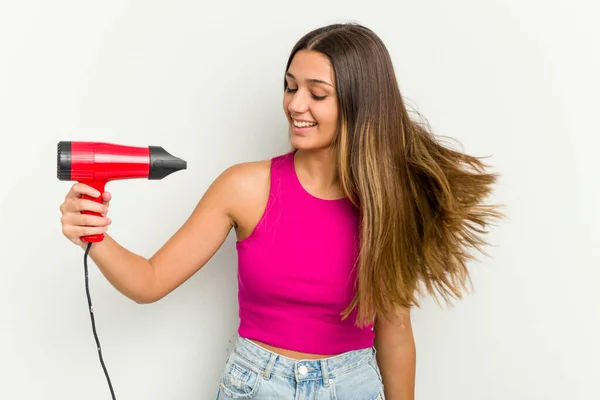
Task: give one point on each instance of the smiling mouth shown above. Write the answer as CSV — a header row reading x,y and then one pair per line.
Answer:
x,y
304,124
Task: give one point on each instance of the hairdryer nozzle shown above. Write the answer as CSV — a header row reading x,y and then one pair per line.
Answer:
x,y
162,163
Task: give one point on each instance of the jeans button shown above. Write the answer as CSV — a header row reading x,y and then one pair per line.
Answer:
x,y
302,370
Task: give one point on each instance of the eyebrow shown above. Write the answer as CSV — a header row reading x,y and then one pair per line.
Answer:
x,y
310,80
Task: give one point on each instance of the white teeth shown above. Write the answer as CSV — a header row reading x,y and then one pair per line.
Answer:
x,y
304,124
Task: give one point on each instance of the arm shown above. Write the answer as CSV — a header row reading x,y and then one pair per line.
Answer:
x,y
396,355
187,251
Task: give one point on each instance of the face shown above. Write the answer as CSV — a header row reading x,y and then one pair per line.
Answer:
x,y
310,101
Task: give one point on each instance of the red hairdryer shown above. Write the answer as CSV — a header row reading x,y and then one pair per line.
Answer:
x,y
95,164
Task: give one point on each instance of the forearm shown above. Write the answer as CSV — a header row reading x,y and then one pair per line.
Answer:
x,y
398,365
129,273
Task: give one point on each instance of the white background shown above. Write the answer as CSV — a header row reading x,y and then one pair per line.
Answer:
x,y
514,79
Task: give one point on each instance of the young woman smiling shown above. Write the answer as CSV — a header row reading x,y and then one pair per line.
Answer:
x,y
336,238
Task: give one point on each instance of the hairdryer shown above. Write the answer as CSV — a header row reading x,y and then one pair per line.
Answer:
x,y
95,164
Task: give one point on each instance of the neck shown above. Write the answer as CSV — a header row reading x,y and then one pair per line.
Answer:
x,y
318,169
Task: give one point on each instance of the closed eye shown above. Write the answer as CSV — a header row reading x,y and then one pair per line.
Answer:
x,y
314,96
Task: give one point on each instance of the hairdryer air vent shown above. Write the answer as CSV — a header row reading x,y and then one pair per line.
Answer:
x,y
63,161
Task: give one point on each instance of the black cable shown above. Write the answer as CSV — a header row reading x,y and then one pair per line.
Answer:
x,y
87,291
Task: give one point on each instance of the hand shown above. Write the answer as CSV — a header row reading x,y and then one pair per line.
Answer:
x,y
74,223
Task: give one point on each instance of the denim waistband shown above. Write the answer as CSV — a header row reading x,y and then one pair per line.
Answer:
x,y
270,363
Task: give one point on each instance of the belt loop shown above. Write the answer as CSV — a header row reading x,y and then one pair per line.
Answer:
x,y
324,373
269,367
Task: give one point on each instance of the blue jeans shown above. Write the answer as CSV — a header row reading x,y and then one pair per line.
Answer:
x,y
253,372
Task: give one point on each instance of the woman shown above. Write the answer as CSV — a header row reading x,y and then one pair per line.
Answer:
x,y
335,238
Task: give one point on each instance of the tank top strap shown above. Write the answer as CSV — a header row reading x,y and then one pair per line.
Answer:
x,y
279,191
282,176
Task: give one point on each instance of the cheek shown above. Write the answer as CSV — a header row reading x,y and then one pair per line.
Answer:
x,y
327,117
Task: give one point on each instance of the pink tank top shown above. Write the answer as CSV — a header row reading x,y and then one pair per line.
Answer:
x,y
296,270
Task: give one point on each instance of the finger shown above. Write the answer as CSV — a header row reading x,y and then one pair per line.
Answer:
x,y
92,230
79,220
80,188
106,196
78,205
90,220
74,233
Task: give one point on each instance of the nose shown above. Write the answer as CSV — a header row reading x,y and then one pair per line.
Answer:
x,y
299,103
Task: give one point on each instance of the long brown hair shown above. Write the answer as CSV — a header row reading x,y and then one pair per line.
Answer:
x,y
421,203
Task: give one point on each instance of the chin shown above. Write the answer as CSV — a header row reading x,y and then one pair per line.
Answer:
x,y
300,143
306,144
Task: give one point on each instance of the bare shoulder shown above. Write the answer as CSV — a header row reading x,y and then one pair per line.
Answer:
x,y
245,176
248,184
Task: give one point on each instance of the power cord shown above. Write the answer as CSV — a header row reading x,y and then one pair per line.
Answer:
x,y
87,291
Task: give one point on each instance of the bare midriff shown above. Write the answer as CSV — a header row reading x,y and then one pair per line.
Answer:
x,y
291,353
